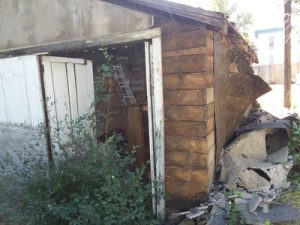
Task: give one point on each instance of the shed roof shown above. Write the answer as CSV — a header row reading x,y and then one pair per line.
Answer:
x,y
215,20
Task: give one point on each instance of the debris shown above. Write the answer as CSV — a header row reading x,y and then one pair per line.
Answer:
x,y
254,203
254,168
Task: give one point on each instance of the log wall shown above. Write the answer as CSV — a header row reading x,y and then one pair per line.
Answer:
x,y
189,112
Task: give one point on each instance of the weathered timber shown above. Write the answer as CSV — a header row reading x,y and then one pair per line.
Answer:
x,y
186,113
188,129
186,40
188,81
186,160
135,131
195,176
185,97
189,51
287,53
195,145
184,64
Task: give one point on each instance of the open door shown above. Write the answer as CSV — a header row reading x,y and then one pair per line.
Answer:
x,y
69,92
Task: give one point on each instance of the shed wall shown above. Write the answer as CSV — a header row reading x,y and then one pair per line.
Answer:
x,y
21,111
189,111
39,22
20,91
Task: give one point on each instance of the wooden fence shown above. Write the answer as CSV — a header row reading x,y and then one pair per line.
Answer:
x,y
274,74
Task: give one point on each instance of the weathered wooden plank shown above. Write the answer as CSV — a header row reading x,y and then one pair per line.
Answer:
x,y
187,81
210,110
185,97
187,160
190,39
209,63
187,144
148,61
173,27
179,189
186,113
189,129
185,64
186,129
158,128
135,132
210,95
189,51
197,177
211,164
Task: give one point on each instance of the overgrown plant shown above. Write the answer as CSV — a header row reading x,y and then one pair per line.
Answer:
x,y
236,216
89,184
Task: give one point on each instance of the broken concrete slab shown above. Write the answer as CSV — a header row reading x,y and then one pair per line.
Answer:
x,y
217,216
250,145
280,156
252,181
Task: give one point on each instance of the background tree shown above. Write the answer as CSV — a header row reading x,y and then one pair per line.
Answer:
x,y
242,19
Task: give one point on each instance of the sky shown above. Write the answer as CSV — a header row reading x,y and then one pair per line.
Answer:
x,y
266,13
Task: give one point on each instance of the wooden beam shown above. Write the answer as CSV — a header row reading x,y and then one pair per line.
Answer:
x,y
287,53
148,53
159,139
83,43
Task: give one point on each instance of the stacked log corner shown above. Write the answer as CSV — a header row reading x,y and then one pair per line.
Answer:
x,y
189,113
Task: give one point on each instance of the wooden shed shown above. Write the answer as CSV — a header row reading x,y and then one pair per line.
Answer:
x,y
189,72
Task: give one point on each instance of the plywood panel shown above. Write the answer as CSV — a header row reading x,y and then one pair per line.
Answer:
x,y
184,64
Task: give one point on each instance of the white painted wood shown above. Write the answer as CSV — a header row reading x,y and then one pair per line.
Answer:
x,y
72,90
158,126
69,92
150,123
20,91
55,59
82,89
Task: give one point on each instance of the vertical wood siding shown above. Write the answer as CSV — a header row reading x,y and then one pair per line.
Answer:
x,y
20,91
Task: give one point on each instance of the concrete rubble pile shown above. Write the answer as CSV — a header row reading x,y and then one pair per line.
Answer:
x,y
255,164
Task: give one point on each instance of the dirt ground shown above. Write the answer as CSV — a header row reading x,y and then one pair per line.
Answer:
x,y
272,102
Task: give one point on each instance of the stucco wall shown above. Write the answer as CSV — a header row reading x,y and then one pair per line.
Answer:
x,y
35,22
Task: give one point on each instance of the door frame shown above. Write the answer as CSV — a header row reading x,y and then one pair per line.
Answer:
x,y
154,84
155,102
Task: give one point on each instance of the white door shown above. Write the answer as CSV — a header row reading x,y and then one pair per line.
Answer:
x,y
69,93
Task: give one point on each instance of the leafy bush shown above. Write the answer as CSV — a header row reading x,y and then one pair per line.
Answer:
x,y
294,141
94,188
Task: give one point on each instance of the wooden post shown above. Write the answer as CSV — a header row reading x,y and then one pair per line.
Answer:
x,y
287,53
158,126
